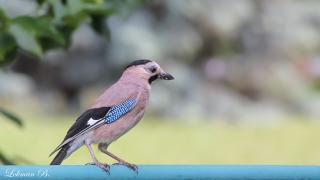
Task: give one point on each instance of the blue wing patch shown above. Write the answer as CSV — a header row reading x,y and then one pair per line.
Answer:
x,y
119,110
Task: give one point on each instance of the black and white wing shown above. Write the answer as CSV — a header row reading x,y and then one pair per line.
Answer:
x,y
94,118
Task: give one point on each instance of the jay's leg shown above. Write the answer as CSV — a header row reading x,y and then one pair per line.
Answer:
x,y
104,167
103,148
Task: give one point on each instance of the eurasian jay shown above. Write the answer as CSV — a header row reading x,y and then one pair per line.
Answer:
x,y
115,112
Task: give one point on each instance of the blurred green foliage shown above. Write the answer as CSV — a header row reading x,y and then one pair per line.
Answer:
x,y
53,24
16,120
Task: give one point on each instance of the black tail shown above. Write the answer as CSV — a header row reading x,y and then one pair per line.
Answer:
x,y
60,156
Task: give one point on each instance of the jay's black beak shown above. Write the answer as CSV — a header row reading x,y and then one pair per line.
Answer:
x,y
166,76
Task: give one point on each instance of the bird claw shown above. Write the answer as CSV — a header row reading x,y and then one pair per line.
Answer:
x,y
128,165
104,167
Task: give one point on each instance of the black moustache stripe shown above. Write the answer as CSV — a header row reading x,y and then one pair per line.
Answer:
x,y
153,78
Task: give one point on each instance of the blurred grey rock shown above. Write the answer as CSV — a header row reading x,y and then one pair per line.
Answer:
x,y
14,86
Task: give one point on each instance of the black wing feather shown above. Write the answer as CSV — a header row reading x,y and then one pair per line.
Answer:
x,y
81,122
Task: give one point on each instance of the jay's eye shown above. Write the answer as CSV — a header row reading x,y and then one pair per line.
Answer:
x,y
153,69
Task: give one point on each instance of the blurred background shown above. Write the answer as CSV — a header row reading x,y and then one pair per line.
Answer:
x,y
246,89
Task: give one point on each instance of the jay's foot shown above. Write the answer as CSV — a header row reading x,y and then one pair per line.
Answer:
x,y
129,165
104,167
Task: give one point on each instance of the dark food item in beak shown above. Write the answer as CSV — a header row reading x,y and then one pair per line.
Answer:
x,y
166,76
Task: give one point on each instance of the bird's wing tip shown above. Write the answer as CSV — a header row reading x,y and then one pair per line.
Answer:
x,y
61,145
54,151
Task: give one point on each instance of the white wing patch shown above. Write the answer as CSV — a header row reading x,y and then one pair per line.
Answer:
x,y
92,121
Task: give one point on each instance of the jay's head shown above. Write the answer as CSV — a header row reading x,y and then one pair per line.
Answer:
x,y
148,70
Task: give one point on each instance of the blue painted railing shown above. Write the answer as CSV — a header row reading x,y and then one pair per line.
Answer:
x,y
216,172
